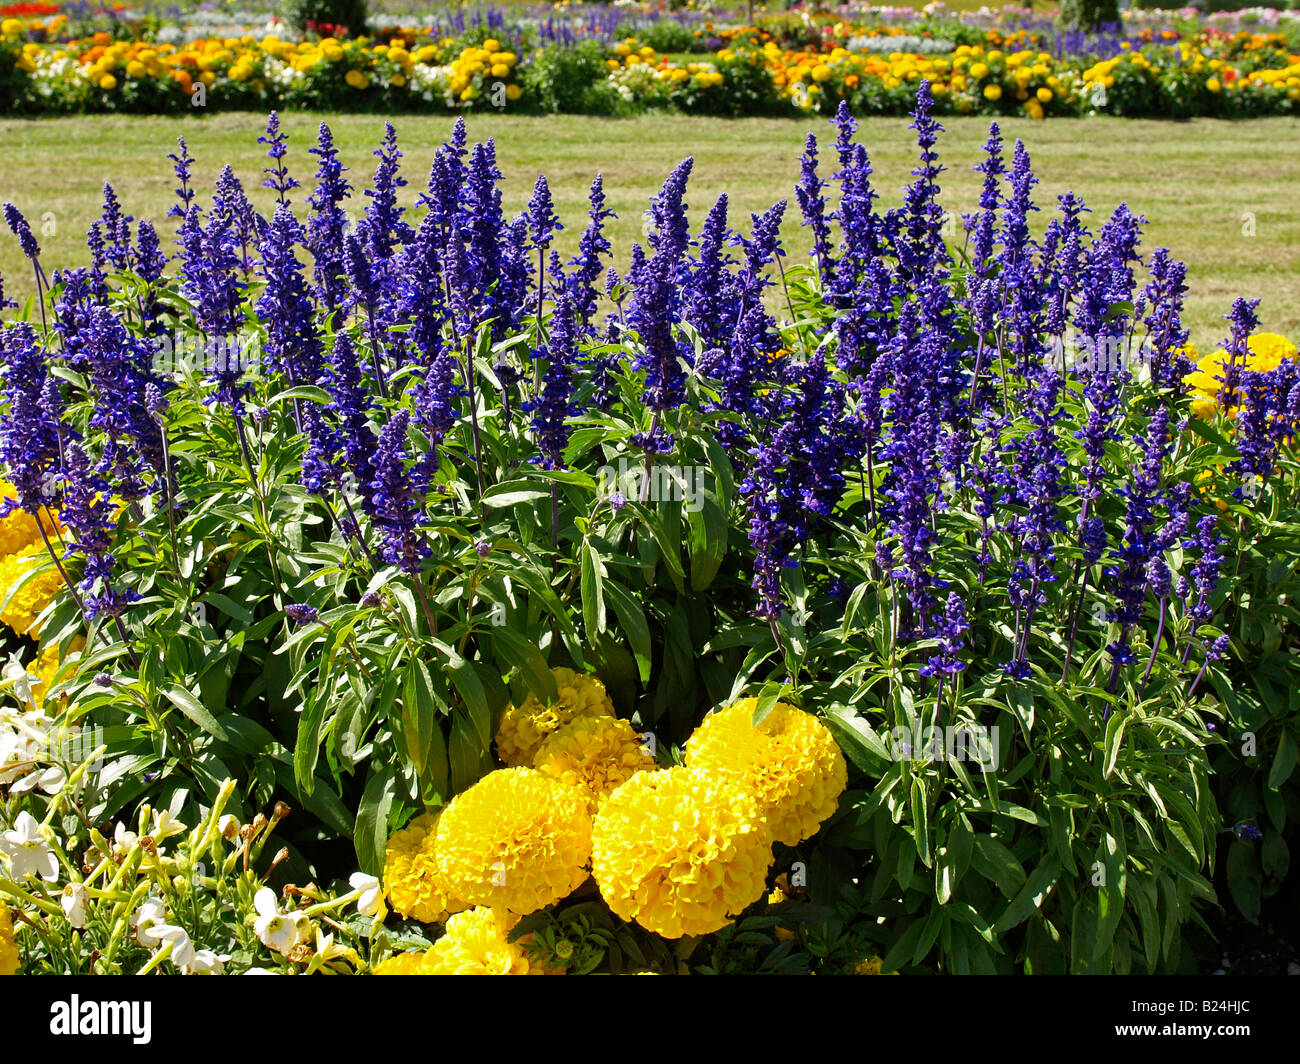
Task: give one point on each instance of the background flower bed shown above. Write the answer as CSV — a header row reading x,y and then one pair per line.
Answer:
x,y
612,62
862,637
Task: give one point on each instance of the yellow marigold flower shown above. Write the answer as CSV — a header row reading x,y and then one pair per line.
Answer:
x,y
516,839
1213,84
523,728
1264,351
491,45
978,70
790,763
37,592
1044,95
357,79
992,92
476,943
411,878
680,851
500,70
1268,351
8,948
108,82
513,92
410,963
19,529
48,664
594,754
869,966
135,69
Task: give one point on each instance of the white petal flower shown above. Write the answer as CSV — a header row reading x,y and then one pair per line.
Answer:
x,y
15,675
164,826
75,897
372,896
205,962
50,780
182,952
124,841
28,852
148,918
278,930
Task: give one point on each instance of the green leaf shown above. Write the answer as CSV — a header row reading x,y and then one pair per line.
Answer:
x,y
1113,742
1284,761
921,820
1245,879
370,834
465,755
1030,897
419,714
859,741
512,492
708,543
592,588
194,709
468,684
524,656
998,865
633,626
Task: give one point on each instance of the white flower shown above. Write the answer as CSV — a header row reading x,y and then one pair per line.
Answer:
x,y
205,962
372,897
178,938
277,930
148,918
15,674
50,780
29,854
259,971
75,896
164,826
124,841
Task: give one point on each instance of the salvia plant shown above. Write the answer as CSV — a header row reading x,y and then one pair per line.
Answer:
x,y
322,499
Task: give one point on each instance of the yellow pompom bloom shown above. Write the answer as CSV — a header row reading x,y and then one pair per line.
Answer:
x,y
108,82
500,70
1264,352
411,879
594,754
49,663
790,763
8,948
1044,95
19,529
680,851
37,592
978,70
11,27
412,963
516,839
821,72
357,79
513,92
992,92
1268,351
476,943
523,728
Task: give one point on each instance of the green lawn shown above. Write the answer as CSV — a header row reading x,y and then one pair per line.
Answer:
x,y
1220,194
